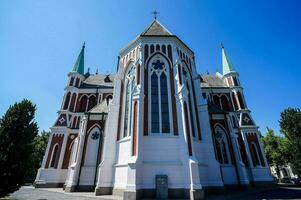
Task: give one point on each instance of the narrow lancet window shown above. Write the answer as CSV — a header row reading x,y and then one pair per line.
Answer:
x,y
130,83
160,97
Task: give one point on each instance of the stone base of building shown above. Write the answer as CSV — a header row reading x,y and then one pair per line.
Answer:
x,y
48,185
264,184
174,193
104,191
80,188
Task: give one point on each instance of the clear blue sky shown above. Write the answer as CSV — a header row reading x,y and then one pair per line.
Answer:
x,y
40,40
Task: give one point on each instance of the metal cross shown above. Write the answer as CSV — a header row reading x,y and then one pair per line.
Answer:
x,y
155,13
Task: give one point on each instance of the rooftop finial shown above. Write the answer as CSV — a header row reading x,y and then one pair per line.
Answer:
x,y
84,44
96,71
155,13
222,45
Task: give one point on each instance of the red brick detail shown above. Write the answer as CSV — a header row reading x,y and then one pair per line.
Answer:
x,y
74,122
145,52
92,102
145,122
240,99
180,74
196,111
134,144
169,52
225,103
253,138
234,101
72,102
81,102
187,130
78,122
92,123
67,99
173,101
68,150
56,139
120,112
138,74
242,149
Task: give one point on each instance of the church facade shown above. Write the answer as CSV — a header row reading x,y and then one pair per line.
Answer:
x,y
154,124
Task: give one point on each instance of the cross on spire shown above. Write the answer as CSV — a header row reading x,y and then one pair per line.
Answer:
x,y
155,13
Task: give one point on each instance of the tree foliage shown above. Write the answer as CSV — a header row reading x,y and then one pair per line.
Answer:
x,y
275,148
35,160
17,132
290,124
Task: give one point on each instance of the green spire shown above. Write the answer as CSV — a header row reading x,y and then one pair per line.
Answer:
x,y
79,66
227,65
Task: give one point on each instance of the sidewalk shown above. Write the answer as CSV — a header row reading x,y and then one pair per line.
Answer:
x,y
31,193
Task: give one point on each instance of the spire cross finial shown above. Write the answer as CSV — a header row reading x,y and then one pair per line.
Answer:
x,y
155,13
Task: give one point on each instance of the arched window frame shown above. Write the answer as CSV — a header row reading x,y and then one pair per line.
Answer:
x,y
86,103
129,86
66,101
221,138
256,160
158,72
224,97
54,155
94,135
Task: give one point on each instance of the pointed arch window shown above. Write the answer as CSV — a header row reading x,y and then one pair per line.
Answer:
x,y
222,148
67,99
54,155
130,84
83,104
255,154
160,97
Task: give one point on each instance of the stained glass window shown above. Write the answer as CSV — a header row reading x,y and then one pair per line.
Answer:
x,y
159,98
130,79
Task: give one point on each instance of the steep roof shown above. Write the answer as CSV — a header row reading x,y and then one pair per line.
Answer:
x,y
212,81
99,81
79,65
100,108
227,65
155,29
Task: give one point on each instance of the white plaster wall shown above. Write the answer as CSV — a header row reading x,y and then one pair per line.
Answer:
x,y
87,175
229,174
261,174
120,176
53,175
161,155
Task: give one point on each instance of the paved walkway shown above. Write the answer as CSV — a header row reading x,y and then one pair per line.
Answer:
x,y
30,193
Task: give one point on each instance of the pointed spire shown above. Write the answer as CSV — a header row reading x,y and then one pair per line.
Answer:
x,y
79,65
227,65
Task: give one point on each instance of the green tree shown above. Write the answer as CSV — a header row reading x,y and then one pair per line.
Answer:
x,y
17,132
290,124
276,149
39,145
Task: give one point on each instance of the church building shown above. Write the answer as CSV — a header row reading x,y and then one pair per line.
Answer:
x,y
154,129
